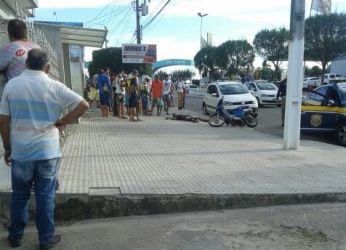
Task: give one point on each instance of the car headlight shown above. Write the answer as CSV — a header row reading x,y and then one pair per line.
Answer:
x,y
226,103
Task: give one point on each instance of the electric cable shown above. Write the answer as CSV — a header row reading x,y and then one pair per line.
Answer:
x,y
157,14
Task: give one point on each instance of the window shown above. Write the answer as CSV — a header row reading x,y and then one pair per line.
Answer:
x,y
210,89
233,89
316,98
266,86
251,87
333,95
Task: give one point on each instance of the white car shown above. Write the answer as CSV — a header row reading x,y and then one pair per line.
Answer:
x,y
311,82
265,92
234,94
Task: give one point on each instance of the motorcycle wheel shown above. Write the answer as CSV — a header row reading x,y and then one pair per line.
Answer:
x,y
250,120
216,120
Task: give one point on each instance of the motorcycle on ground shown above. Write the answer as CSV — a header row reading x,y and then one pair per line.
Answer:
x,y
241,115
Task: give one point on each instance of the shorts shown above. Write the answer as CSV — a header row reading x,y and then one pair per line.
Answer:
x,y
105,99
120,98
167,100
133,101
157,102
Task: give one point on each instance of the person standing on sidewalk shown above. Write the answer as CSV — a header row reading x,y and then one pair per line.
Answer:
x,y
156,91
120,94
105,90
167,83
29,124
180,92
133,92
14,54
282,93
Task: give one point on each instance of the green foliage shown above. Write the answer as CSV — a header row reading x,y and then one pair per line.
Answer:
x,y
233,55
205,60
112,58
325,38
162,74
314,71
92,69
182,74
272,45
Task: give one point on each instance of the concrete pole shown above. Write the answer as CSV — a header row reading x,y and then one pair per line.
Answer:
x,y
295,76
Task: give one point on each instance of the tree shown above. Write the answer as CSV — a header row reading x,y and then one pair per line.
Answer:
x,y
325,38
183,74
112,58
272,45
205,61
233,55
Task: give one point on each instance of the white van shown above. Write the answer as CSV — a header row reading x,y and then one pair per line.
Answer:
x,y
331,78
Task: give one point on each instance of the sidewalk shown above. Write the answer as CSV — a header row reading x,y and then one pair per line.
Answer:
x,y
222,167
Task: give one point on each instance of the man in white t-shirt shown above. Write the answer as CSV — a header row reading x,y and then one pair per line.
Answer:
x,y
30,111
167,83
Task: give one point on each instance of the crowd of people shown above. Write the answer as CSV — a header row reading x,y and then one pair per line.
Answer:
x,y
130,95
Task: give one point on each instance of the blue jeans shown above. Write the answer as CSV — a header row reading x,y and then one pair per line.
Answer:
x,y
43,175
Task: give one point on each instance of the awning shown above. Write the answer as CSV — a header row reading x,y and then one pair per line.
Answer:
x,y
83,36
77,35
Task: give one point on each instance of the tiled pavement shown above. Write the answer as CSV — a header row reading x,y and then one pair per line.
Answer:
x,y
158,156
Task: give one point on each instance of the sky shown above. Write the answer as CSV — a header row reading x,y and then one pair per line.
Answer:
x,y
176,30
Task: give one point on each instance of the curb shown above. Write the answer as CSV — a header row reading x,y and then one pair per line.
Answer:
x,y
74,207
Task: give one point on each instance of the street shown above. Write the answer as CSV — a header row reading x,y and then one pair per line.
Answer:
x,y
317,227
269,120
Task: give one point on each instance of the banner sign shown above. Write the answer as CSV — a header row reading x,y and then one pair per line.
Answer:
x,y
322,6
139,53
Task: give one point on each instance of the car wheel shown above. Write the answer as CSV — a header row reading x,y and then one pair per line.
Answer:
x,y
341,134
205,111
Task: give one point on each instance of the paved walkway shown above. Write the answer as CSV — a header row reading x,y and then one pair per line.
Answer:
x,y
158,156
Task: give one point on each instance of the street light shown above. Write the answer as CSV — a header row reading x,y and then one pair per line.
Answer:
x,y
201,16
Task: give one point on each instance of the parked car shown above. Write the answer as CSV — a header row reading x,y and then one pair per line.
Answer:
x,y
234,94
324,111
264,92
191,88
311,82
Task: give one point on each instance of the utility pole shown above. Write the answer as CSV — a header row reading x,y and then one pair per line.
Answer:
x,y
295,76
138,22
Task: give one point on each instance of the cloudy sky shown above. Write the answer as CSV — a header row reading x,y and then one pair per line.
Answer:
x,y
176,30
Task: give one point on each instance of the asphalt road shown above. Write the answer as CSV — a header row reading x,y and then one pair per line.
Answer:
x,y
269,120
303,227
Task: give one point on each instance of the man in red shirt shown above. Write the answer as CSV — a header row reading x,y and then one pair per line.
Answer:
x,y
156,91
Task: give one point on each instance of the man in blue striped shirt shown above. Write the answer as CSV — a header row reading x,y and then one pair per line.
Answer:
x,y
30,112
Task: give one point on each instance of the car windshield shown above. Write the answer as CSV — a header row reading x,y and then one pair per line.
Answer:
x,y
265,86
233,89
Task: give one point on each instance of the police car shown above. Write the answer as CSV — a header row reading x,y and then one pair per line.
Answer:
x,y
324,111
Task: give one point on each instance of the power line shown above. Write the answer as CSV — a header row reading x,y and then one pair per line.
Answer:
x,y
157,14
104,8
